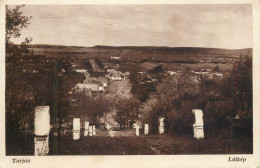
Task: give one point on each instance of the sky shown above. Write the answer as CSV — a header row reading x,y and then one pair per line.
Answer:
x,y
214,26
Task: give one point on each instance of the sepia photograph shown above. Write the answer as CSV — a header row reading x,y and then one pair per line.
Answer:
x,y
128,79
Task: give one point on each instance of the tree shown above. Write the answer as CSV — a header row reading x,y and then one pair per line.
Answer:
x,y
18,100
240,90
89,108
242,78
216,69
33,80
157,69
98,107
15,22
127,111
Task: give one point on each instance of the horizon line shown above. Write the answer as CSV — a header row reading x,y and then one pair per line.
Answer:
x,y
139,46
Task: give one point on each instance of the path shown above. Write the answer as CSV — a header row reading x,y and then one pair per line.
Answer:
x,y
120,89
112,133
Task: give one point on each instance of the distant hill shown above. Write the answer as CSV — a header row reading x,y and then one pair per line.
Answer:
x,y
177,49
147,48
138,52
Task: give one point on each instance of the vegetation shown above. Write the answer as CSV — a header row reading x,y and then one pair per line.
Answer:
x,y
226,102
89,108
127,112
33,80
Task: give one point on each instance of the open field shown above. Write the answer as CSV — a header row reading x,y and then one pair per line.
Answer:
x,y
146,66
176,59
163,54
132,145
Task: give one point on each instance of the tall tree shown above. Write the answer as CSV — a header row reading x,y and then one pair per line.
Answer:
x,y
18,98
127,111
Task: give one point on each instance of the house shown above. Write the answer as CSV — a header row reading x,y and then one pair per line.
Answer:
x,y
201,73
126,75
89,80
110,70
92,87
87,75
115,74
101,88
88,92
218,74
172,73
103,81
115,58
83,71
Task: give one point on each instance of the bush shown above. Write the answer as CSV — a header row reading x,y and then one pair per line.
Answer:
x,y
181,121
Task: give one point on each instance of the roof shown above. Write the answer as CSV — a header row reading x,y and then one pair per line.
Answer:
x,y
102,79
116,73
79,67
87,74
87,92
97,80
92,87
89,80
127,73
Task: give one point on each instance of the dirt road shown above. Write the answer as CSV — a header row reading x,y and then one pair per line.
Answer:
x,y
120,89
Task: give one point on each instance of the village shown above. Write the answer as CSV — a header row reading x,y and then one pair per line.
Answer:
x,y
128,90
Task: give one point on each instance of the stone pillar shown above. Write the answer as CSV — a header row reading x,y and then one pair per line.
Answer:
x,y
161,125
146,129
41,145
42,128
94,130
198,126
86,128
90,131
137,130
76,128
108,127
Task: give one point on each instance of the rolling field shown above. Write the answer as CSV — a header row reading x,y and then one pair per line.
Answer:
x,y
148,57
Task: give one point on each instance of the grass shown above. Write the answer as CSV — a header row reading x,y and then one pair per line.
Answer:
x,y
133,145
